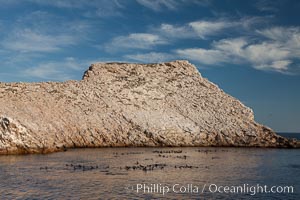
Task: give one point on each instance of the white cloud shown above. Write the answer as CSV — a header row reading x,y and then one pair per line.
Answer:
x,y
151,57
287,37
232,46
207,28
135,41
266,55
28,40
280,65
205,56
240,49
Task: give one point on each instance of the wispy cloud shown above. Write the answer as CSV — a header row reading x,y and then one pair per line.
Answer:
x,y
47,71
151,57
240,49
268,5
160,5
91,8
106,9
28,40
9,3
135,41
279,65
201,29
61,3
267,55
274,49
204,56
78,4
264,53
228,39
56,70
42,32
288,37
173,31
205,29
40,35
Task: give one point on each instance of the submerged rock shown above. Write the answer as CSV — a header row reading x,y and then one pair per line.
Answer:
x,y
122,104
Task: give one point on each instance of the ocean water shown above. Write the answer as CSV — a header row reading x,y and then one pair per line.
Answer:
x,y
153,173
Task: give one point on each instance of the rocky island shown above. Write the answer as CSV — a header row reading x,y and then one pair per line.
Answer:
x,y
125,104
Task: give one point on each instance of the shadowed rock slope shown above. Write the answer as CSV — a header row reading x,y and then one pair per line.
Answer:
x,y
120,104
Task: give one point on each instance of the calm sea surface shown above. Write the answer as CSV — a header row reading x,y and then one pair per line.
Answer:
x,y
153,173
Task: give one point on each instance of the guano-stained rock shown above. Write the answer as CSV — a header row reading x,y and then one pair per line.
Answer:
x,y
121,104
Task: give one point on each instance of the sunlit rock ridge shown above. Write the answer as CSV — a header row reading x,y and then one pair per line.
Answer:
x,y
124,104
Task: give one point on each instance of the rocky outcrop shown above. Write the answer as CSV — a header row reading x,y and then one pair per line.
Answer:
x,y
121,104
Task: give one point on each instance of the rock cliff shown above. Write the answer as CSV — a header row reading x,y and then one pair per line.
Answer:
x,y
121,104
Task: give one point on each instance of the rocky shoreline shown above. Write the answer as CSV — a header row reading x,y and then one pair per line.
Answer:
x,y
122,104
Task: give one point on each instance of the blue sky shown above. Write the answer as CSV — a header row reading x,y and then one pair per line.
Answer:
x,y
251,49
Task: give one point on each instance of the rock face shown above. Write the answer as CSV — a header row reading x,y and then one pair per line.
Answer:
x,y
119,104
